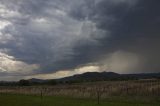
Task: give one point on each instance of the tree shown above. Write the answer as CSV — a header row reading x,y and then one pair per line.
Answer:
x,y
52,82
24,82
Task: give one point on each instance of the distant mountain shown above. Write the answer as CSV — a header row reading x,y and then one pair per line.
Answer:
x,y
92,76
99,76
143,75
104,76
85,77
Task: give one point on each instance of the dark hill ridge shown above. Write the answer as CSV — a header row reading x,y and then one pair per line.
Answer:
x,y
85,77
99,76
102,76
91,76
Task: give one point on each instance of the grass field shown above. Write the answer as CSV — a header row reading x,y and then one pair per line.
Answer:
x,y
108,93
32,100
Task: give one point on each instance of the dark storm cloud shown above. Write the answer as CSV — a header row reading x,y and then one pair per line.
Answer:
x,y
65,34
41,32
134,28
137,31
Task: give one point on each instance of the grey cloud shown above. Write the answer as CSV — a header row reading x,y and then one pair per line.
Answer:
x,y
134,28
66,34
45,34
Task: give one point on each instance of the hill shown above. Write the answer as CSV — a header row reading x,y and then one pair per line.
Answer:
x,y
105,76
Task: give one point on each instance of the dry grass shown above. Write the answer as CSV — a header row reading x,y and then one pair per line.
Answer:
x,y
91,90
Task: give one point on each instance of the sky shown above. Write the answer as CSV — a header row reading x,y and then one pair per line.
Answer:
x,y
57,38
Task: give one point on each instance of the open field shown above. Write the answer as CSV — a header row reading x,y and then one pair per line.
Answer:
x,y
107,93
87,90
30,100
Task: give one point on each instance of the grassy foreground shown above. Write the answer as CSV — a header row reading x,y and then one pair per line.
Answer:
x,y
30,100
